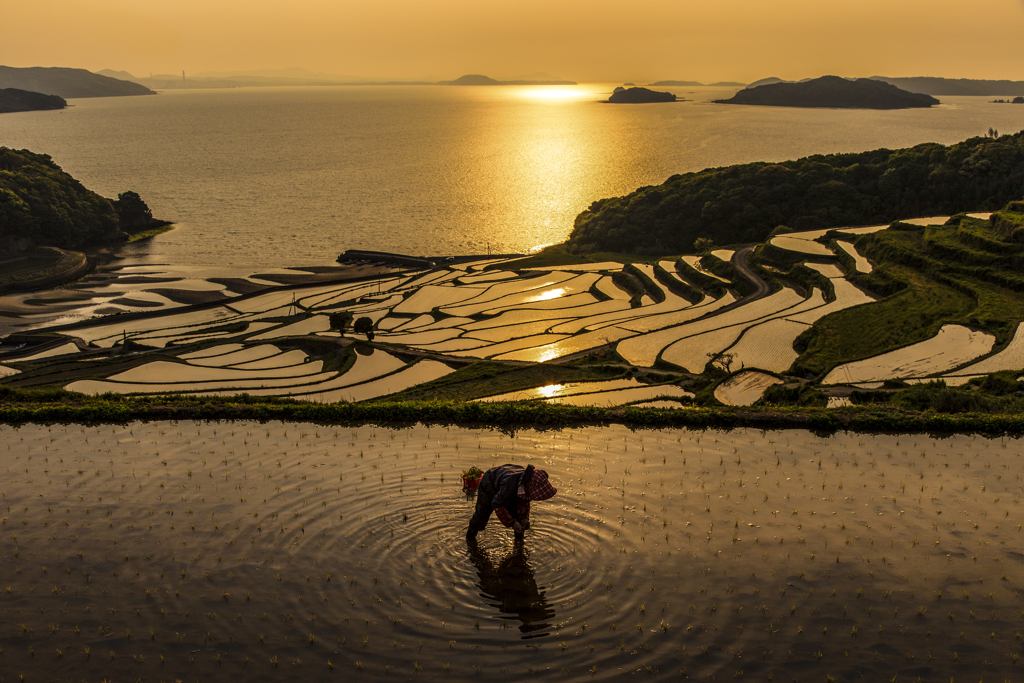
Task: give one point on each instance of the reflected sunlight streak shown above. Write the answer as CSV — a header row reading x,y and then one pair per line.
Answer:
x,y
550,390
554,94
547,296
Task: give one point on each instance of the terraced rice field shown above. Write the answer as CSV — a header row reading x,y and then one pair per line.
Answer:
x,y
744,388
862,264
455,314
954,345
1010,358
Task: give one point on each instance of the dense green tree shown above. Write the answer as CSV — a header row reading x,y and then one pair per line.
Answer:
x,y
340,321
364,326
132,212
703,245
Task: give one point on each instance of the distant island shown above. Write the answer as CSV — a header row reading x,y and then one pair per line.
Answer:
x,y
639,96
954,87
676,84
929,85
832,92
684,84
302,77
478,79
13,99
67,83
1015,100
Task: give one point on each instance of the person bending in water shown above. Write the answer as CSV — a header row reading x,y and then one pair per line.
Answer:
x,y
507,491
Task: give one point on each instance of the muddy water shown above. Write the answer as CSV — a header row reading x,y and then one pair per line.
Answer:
x,y
197,550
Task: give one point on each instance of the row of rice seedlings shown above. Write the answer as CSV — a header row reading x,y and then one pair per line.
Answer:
x,y
704,483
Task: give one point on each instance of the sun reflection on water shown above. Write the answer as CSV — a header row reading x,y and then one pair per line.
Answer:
x,y
548,295
549,93
550,390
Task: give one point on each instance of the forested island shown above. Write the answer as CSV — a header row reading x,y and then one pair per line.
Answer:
x,y
14,100
746,202
639,96
832,92
67,83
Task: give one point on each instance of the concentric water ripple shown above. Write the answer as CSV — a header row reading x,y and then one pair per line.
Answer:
x,y
199,550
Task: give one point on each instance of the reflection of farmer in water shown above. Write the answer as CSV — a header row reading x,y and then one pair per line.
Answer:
x,y
511,587
507,491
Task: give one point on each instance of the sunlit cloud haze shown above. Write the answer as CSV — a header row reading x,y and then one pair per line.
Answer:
x,y
583,40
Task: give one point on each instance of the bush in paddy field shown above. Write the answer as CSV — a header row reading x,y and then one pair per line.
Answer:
x,y
994,394
340,321
781,395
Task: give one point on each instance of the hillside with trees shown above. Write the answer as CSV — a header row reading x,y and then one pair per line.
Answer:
x,y
745,203
40,205
14,100
832,92
67,83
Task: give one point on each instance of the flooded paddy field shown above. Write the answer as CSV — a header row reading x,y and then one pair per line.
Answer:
x,y
191,551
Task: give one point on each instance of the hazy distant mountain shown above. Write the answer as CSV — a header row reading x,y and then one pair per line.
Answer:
x,y
67,83
677,84
832,92
727,84
766,81
955,86
236,79
119,75
12,100
294,73
540,76
479,79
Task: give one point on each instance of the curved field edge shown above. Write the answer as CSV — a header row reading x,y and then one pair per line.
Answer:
x,y
511,416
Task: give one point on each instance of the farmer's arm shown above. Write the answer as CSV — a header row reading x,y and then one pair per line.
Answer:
x,y
503,516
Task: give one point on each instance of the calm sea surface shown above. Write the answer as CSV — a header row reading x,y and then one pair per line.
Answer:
x,y
294,176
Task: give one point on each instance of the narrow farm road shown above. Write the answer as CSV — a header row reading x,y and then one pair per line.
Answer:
x,y
761,288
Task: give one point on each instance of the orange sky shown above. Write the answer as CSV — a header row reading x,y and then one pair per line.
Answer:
x,y
582,40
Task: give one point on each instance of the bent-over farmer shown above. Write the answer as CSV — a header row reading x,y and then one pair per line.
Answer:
x,y
507,491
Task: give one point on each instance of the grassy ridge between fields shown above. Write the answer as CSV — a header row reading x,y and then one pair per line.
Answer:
x,y
24,407
965,273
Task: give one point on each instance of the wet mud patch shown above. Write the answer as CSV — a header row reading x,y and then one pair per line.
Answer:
x,y
191,296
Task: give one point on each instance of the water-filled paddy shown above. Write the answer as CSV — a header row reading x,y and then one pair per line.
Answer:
x,y
268,551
